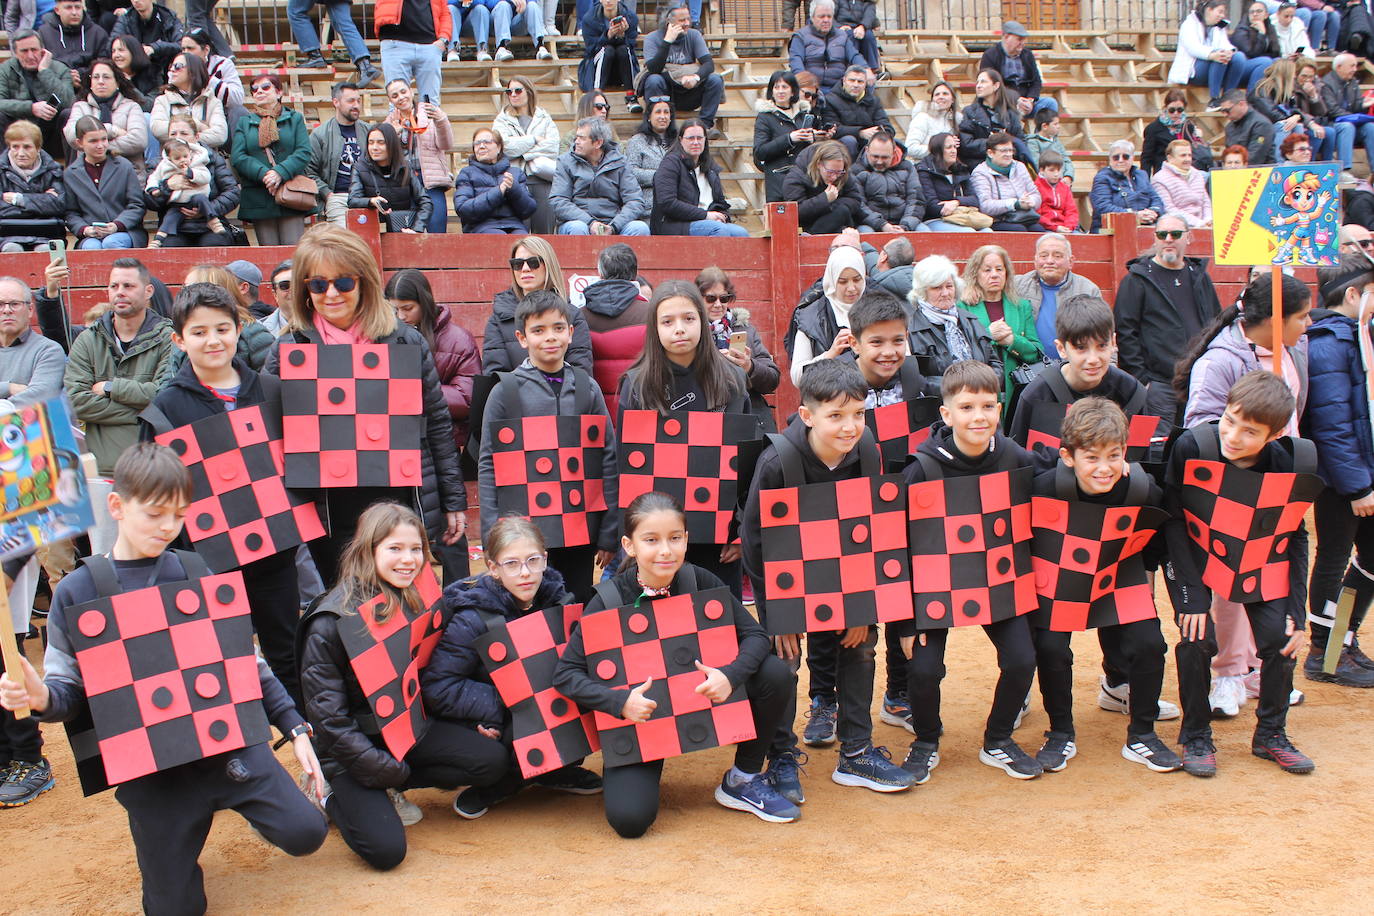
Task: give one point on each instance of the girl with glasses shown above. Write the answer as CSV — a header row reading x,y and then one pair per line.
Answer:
x,y
1173,124
271,147
492,196
533,266
728,320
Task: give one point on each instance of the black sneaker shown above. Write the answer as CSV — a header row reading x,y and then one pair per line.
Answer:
x,y
1348,673
313,61
1008,757
573,780
784,772
820,729
1200,758
1356,653
923,757
1055,754
1278,748
1213,104
25,781
475,801
1151,752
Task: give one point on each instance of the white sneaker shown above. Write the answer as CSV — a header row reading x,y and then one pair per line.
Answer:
x,y
1168,711
1296,697
1025,708
453,56
482,54
504,53
1227,696
406,810
543,53
551,29
1118,699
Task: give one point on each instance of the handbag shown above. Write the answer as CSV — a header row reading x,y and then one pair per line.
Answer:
x,y
1021,217
299,193
971,217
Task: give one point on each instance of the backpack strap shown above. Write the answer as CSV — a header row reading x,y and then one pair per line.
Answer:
x,y
583,400
192,564
1304,455
103,575
1065,483
608,593
912,380
1137,402
155,418
870,454
1208,439
789,458
930,466
1060,388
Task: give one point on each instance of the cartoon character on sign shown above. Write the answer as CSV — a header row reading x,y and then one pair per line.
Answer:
x,y
42,498
1301,223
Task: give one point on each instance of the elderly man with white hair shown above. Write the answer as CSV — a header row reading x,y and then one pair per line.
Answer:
x,y
1342,94
1052,279
1124,188
823,49
941,332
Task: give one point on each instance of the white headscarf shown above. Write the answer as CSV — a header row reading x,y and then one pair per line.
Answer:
x,y
840,259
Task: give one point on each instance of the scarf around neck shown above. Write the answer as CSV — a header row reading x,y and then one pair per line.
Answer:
x,y
949,323
267,127
329,334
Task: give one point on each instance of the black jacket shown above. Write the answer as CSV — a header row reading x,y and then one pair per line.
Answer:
x,y
938,186
1116,386
38,215
677,196
852,115
1150,338
980,122
1158,136
932,352
1029,86
161,32
774,149
501,352
812,203
685,392
185,400
890,196
482,205
402,188
1257,44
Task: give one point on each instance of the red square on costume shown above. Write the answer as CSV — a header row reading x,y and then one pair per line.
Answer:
x,y
964,534
820,538
734,722
249,426
303,432
184,444
104,667
243,678
719,646
658,738
643,660
252,541
512,682
787,579
270,494
926,500
338,469
137,616
127,756
405,397
371,361
857,572
555,708
226,471
196,643
682,695
373,432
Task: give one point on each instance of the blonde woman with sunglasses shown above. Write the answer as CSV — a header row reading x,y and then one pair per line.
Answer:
x,y
533,266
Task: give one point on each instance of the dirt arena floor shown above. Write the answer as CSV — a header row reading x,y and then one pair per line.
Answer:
x,y
1103,835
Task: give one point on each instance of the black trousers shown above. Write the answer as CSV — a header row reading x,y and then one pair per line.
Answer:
x,y
1339,531
617,67
631,791
20,739
854,669
822,657
707,556
345,507
453,558
577,566
170,814
450,755
1194,660
274,601
1015,660
1135,648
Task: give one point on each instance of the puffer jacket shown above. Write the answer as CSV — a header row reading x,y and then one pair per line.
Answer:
x,y
812,203
774,149
455,684
16,99
1337,415
1184,195
615,316
827,56
402,188
36,204
677,197
938,186
524,144
1114,192
890,196
853,115
607,191
1226,359
390,12
161,31
457,361
763,375
205,108
480,203
977,124
998,194
429,148
501,352
595,41
129,137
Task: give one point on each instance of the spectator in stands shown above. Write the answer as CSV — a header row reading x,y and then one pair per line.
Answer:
x,y
1257,38
224,82
1173,124
951,205
761,372
688,198
255,341
942,332
1163,302
855,111
155,27
1357,206
827,199
104,196
1058,210
23,15
594,191
1235,157
892,269
248,277
1046,140
413,34
527,131
195,231
678,63
657,134
939,116
1051,282
1280,100
31,365
1005,189
519,17
108,98
1295,149
181,177
1336,139
1248,128
1183,189
591,105
993,111
889,188
341,20
615,312
385,181
610,29
335,148
823,50
1340,90
860,19
72,36
273,318
492,197
820,328
1020,73
32,195
1322,21
134,66
988,294
477,16
428,146
200,19
29,81
1356,239
1205,55
784,127
1292,33
533,266
1124,188
188,92
271,147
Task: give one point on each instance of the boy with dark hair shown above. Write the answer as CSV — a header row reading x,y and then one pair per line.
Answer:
x,y
966,443
1236,491
1058,210
1074,499
546,405
171,810
827,438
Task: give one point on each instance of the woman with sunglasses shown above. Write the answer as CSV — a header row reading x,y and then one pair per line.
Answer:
x,y
271,146
384,180
1124,188
688,198
784,127
827,199
656,135
427,146
492,197
527,131
188,92
610,33
592,105
729,321
336,298
1173,124
533,266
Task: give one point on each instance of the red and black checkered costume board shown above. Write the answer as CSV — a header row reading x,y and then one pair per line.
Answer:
x,y
662,639
834,553
548,730
240,509
1243,520
386,657
901,427
1047,420
690,455
353,414
169,672
550,468
970,549
1088,560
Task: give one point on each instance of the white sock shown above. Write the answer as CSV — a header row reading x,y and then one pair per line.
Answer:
x,y
737,777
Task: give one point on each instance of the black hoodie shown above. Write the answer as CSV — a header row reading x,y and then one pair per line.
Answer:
x,y
184,399
76,46
501,352
1002,455
1116,385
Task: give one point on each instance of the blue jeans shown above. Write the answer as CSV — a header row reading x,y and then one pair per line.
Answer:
x,y
868,48
308,37
1044,103
703,98
478,22
405,60
715,227
1219,77
111,241
1339,143
438,213
1323,27
532,24
578,227
939,225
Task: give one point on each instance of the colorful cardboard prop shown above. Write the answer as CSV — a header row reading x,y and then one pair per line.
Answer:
x,y
43,494
1284,215
550,468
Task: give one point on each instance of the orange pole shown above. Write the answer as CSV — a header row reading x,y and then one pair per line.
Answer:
x,y
1277,295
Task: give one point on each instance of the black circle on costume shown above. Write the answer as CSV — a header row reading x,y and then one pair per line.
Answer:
x,y
225,593
1003,565
682,656
1123,523
624,745
412,688
179,446
205,521
219,730
972,608
162,698
965,534
785,580
1268,520
1081,555
701,494
296,358
697,733
535,756
559,707
1194,530
253,541
593,434
371,360
778,509
1203,473
573,463
824,612
543,500
1105,582
336,395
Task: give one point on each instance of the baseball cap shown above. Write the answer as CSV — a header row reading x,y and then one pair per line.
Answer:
x,y
246,271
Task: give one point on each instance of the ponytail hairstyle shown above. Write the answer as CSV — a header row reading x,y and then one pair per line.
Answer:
x,y
640,508
1254,308
652,382
358,579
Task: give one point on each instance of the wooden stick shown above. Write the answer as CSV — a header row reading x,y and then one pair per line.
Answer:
x,y
9,645
1335,640
1276,295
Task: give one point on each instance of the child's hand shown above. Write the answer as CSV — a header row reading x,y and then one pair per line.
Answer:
x,y
638,707
788,646
730,553
716,687
1296,637
489,731
1192,627
853,637
909,642
32,693
310,764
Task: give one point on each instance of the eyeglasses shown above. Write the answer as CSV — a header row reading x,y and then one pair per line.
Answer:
x,y
1172,235
723,298
534,564
695,138
283,286
12,305
1120,157
320,285
515,90
484,141
1302,149
1174,109
531,263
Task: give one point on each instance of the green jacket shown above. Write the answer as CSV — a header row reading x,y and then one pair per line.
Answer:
x,y
292,152
15,100
1025,345
134,377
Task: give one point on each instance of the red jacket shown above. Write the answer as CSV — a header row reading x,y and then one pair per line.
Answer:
x,y
388,12
1058,212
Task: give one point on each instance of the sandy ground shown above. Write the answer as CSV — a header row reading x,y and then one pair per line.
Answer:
x,y
1103,834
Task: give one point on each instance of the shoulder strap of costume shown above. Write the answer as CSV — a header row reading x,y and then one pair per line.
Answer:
x,y
687,578
913,382
156,419
582,391
1304,455
608,593
930,466
1137,402
789,459
103,575
1065,484
1208,441
1138,485
192,564
1055,379
870,454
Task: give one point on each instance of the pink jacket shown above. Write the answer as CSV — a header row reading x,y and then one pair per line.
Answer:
x,y
1185,195
430,150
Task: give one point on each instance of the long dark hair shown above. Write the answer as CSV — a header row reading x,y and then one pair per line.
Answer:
x,y
398,167
122,84
1254,307
937,154
1003,104
703,163
647,129
652,382
413,286
197,72
138,58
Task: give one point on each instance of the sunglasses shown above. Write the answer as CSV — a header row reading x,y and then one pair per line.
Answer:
x,y
655,99
283,286
516,90
176,68
1119,157
263,87
320,285
723,299
1177,109
531,263
1172,235
601,106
